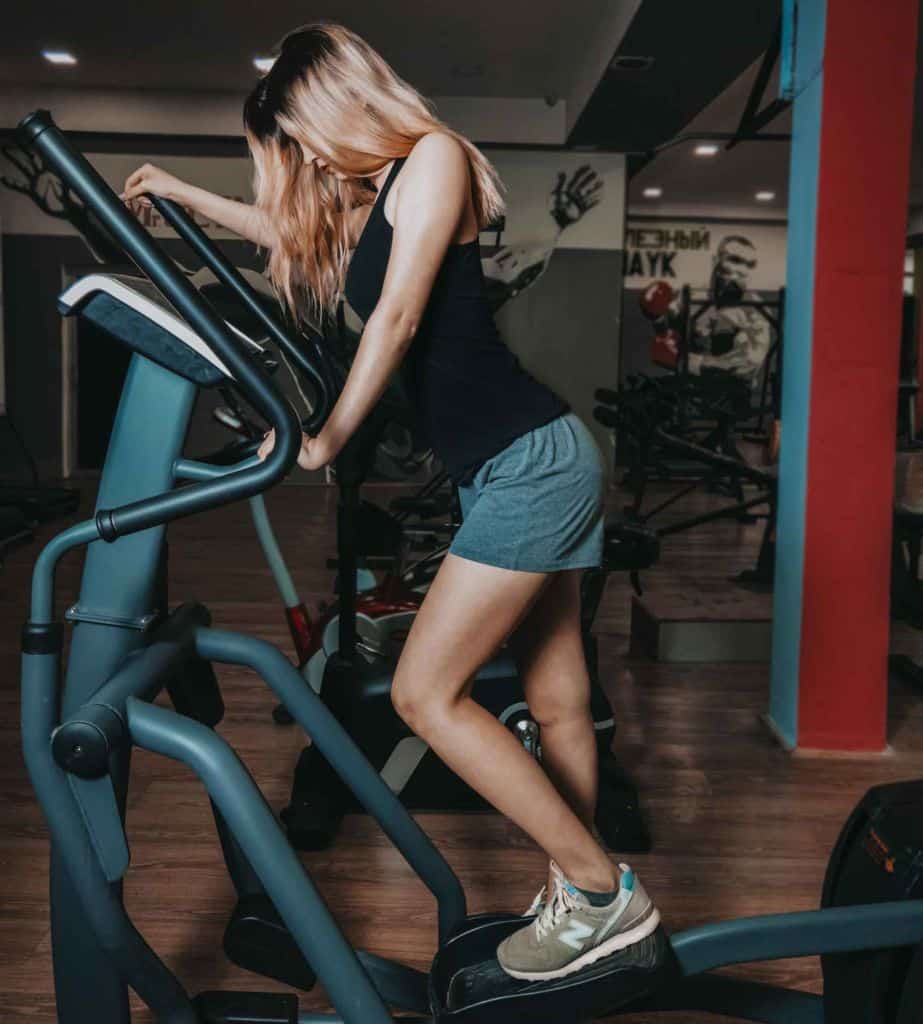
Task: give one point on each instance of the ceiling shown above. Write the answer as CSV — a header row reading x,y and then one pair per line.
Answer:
x,y
698,50
732,178
704,57
476,48
516,49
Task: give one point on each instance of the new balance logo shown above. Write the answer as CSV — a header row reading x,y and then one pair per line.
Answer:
x,y
575,935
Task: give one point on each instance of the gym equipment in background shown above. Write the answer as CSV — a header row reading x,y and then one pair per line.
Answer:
x,y
127,647
14,529
37,502
648,410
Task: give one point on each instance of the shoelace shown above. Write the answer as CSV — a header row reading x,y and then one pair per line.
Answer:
x,y
537,902
561,903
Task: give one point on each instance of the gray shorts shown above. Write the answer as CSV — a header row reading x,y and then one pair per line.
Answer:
x,y
537,506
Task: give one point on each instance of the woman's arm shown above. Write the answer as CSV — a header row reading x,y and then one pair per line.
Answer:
x,y
241,218
429,206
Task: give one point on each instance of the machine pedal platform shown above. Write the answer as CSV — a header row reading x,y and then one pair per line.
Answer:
x,y
468,986
257,940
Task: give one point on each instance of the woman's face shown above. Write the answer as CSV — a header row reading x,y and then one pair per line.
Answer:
x,y
321,164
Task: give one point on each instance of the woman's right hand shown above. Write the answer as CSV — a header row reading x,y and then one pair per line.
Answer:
x,y
153,180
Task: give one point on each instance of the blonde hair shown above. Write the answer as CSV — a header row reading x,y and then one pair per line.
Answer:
x,y
330,91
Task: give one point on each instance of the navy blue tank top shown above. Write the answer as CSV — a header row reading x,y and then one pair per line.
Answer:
x,y
469,393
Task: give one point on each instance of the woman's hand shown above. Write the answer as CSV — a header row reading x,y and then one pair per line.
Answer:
x,y
154,180
315,451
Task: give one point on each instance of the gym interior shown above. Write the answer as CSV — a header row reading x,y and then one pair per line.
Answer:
x,y
712,249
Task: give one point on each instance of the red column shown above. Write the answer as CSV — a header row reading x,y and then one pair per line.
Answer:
x,y
866,127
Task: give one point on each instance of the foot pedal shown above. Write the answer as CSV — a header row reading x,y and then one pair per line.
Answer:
x,y
257,940
246,1008
468,986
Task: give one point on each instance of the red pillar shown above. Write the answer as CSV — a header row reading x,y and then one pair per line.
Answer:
x,y
866,126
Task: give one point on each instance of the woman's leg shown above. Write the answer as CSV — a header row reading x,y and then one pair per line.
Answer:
x,y
548,647
469,611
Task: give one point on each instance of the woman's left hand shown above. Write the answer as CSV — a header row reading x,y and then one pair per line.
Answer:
x,y
315,451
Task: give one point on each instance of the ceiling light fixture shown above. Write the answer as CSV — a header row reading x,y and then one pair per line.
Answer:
x,y
653,193
263,64
706,149
61,57
765,196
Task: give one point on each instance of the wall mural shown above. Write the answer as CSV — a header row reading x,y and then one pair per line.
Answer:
x,y
703,297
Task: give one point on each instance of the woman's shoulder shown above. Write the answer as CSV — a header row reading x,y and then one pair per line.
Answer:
x,y
435,150
438,164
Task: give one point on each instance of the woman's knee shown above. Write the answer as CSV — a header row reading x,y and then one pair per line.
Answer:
x,y
405,702
417,702
558,705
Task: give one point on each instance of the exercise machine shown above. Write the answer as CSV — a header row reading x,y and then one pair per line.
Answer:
x,y
79,727
647,411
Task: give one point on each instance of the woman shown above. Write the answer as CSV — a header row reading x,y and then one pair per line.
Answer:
x,y
360,189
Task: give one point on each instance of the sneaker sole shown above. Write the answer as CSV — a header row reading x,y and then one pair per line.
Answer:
x,y
600,952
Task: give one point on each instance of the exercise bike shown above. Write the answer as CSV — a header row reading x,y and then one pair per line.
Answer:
x,y
79,727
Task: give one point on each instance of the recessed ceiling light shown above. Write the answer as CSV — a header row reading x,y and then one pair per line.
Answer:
x,y
59,57
706,149
263,64
765,197
653,193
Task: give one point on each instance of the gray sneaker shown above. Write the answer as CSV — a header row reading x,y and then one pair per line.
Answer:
x,y
571,934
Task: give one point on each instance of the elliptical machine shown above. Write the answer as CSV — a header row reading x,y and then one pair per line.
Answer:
x,y
127,648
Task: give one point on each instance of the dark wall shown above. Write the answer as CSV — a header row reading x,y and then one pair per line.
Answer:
x,y
32,280
34,268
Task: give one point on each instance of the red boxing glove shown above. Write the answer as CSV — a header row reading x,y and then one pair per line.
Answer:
x,y
656,299
665,350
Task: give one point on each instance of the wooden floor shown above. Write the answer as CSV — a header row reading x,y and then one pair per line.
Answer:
x,y
740,827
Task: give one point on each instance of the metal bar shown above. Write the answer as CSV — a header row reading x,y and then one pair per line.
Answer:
x,y
41,612
233,280
738,998
747,119
120,581
787,69
721,513
341,752
256,830
40,132
671,500
805,933
272,552
716,459
111,952
769,113
191,469
147,670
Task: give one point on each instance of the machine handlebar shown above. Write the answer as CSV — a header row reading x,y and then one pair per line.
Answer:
x,y
231,277
39,132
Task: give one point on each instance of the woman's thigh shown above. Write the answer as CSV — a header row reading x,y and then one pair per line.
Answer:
x,y
469,611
